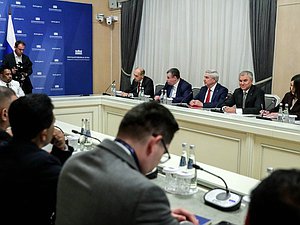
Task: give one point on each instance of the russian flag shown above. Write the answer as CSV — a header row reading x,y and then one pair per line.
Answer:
x,y
10,35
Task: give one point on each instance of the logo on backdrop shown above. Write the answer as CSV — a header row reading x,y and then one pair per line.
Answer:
x,y
38,20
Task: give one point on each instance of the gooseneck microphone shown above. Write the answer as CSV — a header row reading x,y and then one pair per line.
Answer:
x,y
89,136
105,93
181,103
219,198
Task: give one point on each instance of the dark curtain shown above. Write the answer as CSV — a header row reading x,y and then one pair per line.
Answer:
x,y
131,17
262,29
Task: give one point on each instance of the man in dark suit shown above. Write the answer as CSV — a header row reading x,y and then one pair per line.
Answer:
x,y
29,174
247,99
212,94
140,81
108,186
177,88
20,65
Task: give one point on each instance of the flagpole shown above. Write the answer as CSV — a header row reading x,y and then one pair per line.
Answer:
x,y
10,34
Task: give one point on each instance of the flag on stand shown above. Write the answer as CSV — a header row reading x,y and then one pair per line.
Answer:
x,y
10,35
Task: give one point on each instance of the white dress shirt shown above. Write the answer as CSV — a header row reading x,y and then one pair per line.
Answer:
x,y
15,86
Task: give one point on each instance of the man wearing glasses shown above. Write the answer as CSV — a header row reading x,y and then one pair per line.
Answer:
x,y
20,65
108,185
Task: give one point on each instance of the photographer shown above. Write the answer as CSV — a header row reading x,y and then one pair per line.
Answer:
x,y
20,65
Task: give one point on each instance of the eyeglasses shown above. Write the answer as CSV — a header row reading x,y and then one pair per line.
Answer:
x,y
166,156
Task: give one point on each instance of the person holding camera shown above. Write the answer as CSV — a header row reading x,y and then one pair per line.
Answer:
x,y
20,65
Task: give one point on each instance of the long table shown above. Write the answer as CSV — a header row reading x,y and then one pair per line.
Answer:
x,y
237,183
243,145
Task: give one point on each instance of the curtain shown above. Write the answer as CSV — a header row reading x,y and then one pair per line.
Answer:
x,y
130,31
195,35
262,27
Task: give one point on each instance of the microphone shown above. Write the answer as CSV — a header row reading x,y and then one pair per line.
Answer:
x,y
105,93
181,103
77,132
261,116
219,198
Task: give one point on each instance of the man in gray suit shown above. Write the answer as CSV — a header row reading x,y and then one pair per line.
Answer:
x,y
108,186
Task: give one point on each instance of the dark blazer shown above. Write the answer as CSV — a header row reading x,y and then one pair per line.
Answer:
x,y
10,61
217,99
112,191
183,94
255,100
29,177
147,84
288,98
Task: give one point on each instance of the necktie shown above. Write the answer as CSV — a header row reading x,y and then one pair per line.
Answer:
x,y
207,100
7,85
139,87
244,98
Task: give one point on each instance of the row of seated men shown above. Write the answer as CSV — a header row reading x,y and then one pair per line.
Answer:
x,y
247,99
107,185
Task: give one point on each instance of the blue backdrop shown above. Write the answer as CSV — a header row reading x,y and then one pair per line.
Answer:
x,y
58,37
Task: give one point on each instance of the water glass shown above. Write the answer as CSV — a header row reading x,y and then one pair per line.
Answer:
x,y
73,141
171,179
184,179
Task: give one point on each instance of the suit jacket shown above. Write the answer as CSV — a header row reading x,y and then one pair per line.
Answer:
x,y
218,98
147,84
10,61
104,187
183,94
29,177
288,99
255,100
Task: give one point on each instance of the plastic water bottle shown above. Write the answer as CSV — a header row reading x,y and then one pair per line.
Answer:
x,y
279,117
162,95
184,158
113,89
82,138
88,142
285,113
142,94
192,160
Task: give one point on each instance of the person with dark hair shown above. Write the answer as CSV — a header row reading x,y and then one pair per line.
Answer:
x,y
247,99
212,94
139,81
290,98
29,174
177,88
108,184
7,96
20,65
276,200
7,81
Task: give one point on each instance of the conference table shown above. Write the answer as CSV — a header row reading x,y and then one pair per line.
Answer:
x,y
240,144
236,183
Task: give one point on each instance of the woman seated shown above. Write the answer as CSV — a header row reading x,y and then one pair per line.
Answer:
x,y
290,98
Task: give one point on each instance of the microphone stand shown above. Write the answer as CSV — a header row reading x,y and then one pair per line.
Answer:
x,y
219,198
105,93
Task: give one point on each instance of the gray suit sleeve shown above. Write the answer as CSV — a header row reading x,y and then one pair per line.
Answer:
x,y
153,208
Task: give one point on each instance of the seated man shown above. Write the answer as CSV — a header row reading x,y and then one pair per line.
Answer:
x,y
29,174
212,94
108,184
177,88
247,99
276,200
139,81
7,81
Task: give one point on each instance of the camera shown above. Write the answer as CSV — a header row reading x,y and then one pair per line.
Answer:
x,y
100,17
109,20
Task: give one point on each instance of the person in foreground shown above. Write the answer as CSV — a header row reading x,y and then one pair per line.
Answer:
x,y
29,174
212,94
276,200
290,98
7,96
139,81
247,99
108,186
177,88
